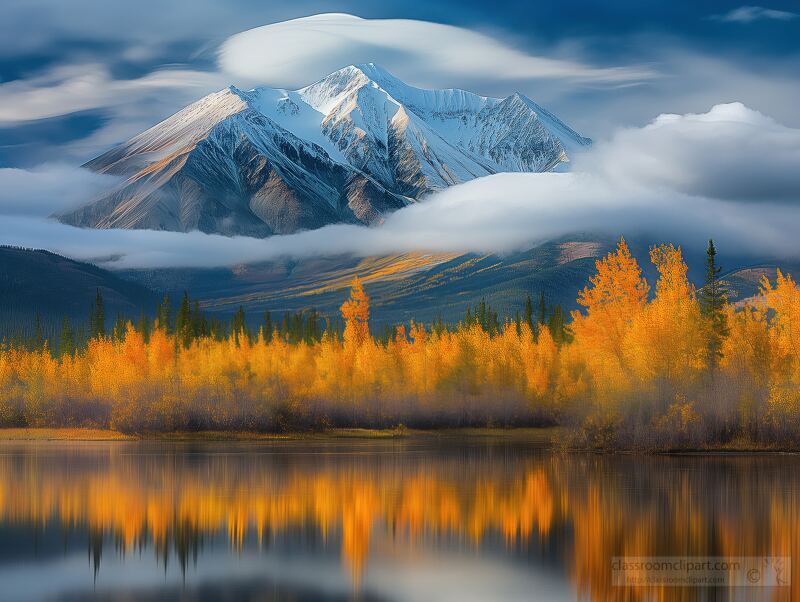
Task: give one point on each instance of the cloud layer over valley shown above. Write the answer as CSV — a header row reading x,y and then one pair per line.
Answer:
x,y
730,174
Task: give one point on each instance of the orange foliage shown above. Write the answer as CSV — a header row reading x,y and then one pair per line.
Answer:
x,y
616,296
355,311
626,359
667,339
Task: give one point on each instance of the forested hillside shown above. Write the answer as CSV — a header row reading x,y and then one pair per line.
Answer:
x,y
37,282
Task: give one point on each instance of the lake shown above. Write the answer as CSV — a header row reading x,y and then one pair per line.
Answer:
x,y
416,519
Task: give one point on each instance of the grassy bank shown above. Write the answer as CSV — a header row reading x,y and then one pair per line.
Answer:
x,y
558,438
62,434
534,435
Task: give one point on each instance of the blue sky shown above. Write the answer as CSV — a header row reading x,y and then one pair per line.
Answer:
x,y
78,76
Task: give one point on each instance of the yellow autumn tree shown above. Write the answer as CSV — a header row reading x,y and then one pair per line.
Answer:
x,y
666,339
616,295
746,350
782,302
355,312
359,350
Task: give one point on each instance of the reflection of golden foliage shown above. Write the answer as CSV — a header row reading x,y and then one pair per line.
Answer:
x,y
136,504
599,508
708,508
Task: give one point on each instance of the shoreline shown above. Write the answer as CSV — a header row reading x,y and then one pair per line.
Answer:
x,y
546,437
531,434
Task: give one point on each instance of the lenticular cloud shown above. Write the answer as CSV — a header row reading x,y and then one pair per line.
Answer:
x,y
292,53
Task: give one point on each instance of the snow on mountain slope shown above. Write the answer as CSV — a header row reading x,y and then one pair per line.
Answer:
x,y
349,148
474,123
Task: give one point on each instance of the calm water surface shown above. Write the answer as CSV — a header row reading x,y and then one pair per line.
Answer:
x,y
417,520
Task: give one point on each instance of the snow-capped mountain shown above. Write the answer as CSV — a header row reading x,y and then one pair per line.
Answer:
x,y
349,148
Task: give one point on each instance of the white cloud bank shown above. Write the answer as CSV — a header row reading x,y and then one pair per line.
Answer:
x,y
730,153
48,188
730,174
297,52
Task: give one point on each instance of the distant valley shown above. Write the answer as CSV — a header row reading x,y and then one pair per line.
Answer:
x,y
427,287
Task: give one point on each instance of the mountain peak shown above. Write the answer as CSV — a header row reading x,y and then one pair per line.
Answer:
x,y
375,72
371,71
329,91
350,147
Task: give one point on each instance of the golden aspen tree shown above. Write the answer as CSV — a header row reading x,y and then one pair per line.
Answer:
x,y
616,295
746,349
540,364
667,340
355,312
782,301
745,364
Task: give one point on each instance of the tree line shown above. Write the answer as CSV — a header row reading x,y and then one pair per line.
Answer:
x,y
188,323
636,366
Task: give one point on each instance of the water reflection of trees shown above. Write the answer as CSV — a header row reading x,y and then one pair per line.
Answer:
x,y
592,507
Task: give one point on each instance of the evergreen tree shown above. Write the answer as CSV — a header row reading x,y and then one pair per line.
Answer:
x,y
529,312
468,320
386,335
240,325
296,328
199,322
267,328
216,329
97,317
438,325
713,298
542,309
120,326
481,314
183,321
143,326
66,341
285,325
492,322
312,330
556,324
164,314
